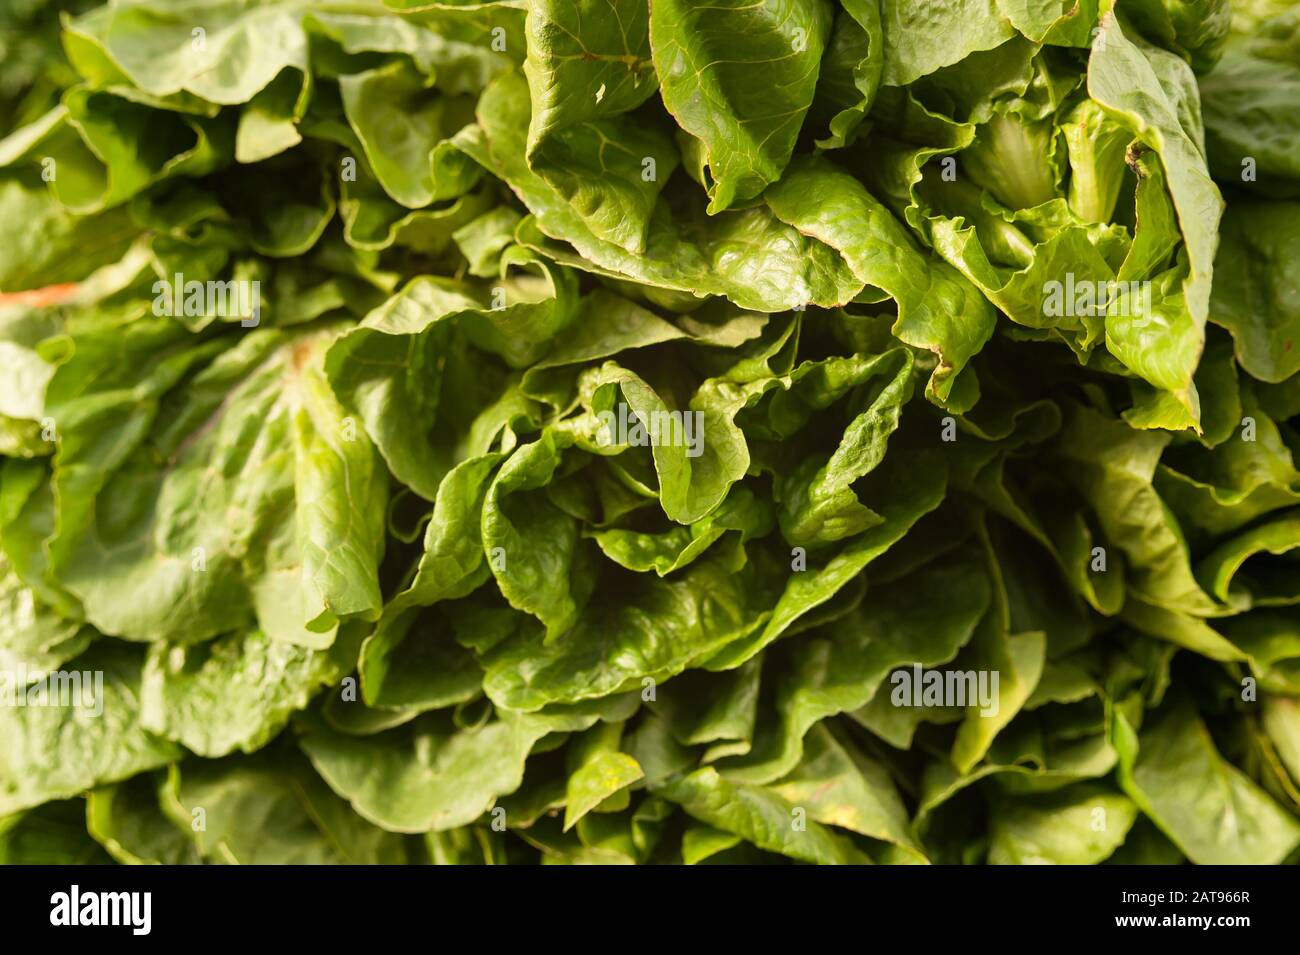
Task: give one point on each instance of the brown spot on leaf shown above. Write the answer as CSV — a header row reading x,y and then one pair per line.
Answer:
x,y
40,297
302,352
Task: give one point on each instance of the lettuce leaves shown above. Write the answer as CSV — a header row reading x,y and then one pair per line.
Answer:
x,y
811,431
